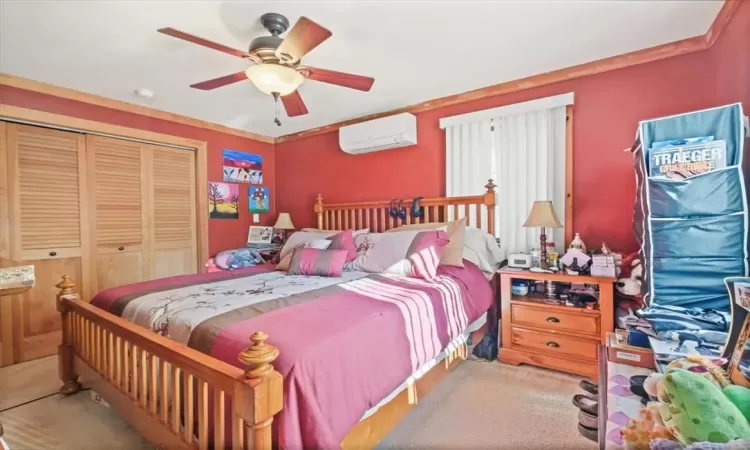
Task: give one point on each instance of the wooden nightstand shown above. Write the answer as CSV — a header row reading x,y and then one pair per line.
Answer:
x,y
558,337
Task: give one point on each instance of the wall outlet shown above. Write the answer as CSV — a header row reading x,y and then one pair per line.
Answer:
x,y
256,218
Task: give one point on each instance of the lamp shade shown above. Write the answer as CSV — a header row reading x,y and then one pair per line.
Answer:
x,y
284,222
542,215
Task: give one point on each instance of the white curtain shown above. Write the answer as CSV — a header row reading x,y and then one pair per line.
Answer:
x,y
530,166
468,154
525,155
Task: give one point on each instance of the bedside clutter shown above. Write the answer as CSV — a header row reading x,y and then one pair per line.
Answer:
x,y
551,332
691,403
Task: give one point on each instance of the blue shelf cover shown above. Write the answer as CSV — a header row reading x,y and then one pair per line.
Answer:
x,y
693,233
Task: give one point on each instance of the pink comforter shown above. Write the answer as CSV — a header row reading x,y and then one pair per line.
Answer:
x,y
343,347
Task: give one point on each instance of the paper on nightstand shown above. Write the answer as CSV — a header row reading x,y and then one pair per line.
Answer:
x,y
581,258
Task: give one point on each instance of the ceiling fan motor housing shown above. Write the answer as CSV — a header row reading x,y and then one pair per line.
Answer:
x,y
264,48
275,23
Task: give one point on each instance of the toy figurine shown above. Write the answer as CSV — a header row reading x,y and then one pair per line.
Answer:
x,y
577,243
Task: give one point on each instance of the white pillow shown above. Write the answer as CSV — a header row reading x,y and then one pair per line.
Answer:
x,y
300,239
482,249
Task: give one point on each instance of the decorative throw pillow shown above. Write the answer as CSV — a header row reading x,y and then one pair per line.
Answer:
x,y
407,253
453,252
320,244
299,239
344,241
322,263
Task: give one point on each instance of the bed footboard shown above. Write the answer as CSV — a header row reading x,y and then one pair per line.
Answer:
x,y
175,396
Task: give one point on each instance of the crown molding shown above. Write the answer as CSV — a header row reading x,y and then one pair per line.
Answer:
x,y
669,50
92,99
722,20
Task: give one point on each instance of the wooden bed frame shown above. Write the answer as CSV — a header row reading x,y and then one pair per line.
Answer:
x,y
158,385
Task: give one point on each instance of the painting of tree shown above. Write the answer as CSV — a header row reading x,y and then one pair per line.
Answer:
x,y
223,201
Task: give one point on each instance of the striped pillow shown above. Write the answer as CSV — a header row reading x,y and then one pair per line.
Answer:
x,y
407,253
344,241
322,263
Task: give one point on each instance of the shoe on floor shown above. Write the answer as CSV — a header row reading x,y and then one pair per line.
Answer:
x,y
587,420
589,433
587,404
589,387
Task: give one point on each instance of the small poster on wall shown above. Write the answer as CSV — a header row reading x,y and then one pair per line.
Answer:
x,y
242,167
259,199
223,200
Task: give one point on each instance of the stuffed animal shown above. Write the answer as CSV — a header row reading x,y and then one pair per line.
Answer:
x,y
638,433
631,273
740,396
693,363
628,286
695,410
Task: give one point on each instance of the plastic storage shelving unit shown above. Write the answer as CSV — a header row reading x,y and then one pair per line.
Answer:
x,y
693,233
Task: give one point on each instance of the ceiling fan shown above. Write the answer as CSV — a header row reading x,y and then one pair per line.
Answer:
x,y
276,70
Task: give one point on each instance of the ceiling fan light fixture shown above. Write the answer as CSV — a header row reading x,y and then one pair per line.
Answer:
x,y
274,78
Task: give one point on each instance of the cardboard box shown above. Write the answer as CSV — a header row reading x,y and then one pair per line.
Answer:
x,y
618,351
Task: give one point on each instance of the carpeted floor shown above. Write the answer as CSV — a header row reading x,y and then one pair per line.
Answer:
x,y
480,405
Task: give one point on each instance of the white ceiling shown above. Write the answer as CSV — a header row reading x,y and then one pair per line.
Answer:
x,y
415,50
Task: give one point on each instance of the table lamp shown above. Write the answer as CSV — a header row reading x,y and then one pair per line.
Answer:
x,y
284,222
543,216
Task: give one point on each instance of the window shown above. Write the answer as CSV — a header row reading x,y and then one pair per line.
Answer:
x,y
523,148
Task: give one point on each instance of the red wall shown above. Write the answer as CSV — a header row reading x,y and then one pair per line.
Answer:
x,y
731,57
608,107
223,233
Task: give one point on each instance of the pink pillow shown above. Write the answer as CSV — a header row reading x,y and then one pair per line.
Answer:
x,y
344,241
312,261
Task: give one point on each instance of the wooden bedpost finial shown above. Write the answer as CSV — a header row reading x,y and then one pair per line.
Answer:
x,y
490,186
66,286
318,204
259,356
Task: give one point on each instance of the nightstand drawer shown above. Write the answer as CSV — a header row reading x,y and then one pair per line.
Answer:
x,y
555,343
554,320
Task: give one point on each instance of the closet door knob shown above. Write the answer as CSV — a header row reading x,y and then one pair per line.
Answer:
x,y
53,253
553,320
553,344
121,248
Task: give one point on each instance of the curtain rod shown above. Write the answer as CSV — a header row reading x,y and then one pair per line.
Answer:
x,y
94,133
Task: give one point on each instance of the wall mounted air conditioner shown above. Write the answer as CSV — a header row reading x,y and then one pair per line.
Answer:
x,y
385,133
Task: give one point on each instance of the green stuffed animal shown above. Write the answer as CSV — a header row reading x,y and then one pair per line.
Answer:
x,y
740,396
696,410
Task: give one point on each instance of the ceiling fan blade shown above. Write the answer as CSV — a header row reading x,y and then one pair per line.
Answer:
x,y
304,36
204,42
219,82
294,105
338,78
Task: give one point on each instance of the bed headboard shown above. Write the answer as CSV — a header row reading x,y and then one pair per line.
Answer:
x,y
479,211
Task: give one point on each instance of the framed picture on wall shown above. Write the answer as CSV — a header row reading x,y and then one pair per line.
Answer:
x,y
242,167
259,199
223,200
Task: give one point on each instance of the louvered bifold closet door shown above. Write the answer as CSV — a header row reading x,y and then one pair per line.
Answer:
x,y
119,218
173,234
47,222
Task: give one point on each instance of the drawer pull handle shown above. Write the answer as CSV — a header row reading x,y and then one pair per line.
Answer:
x,y
121,248
553,320
553,344
53,253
